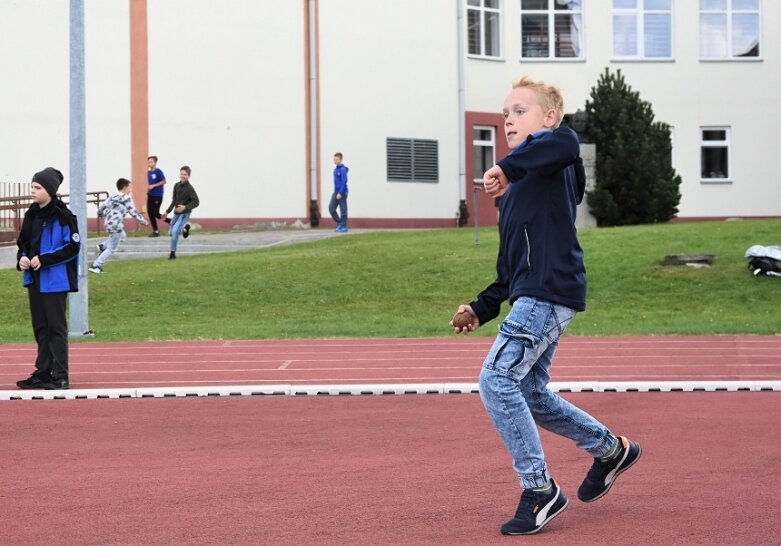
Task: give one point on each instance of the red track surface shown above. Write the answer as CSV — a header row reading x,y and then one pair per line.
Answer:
x,y
154,364
414,469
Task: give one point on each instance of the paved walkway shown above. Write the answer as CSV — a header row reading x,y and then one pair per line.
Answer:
x,y
146,247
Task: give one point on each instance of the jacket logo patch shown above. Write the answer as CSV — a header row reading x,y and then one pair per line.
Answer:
x,y
75,238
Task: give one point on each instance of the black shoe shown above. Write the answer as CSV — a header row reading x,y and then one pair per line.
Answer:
x,y
33,382
186,231
172,256
59,384
603,474
536,510
155,234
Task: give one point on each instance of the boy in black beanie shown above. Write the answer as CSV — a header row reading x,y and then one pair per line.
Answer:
x,y
48,257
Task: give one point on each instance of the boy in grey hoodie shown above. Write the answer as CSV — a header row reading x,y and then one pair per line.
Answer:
x,y
114,210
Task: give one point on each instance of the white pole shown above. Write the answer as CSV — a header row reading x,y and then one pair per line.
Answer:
x,y
78,301
312,103
461,103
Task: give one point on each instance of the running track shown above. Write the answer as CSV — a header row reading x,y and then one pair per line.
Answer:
x,y
235,462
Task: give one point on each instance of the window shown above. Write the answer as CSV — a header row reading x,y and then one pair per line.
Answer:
x,y
729,29
412,160
714,154
483,146
642,29
483,28
551,29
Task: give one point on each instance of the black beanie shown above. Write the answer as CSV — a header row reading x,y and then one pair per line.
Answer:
x,y
50,178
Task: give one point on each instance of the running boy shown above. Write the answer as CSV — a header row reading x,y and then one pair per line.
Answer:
x,y
540,270
183,202
114,210
48,254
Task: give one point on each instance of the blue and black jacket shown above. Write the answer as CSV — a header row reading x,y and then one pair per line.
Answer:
x,y
539,253
52,235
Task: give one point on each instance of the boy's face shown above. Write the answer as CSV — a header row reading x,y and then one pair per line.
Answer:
x,y
152,163
337,160
184,176
39,194
524,116
126,190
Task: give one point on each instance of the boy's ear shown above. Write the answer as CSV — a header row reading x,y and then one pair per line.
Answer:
x,y
550,119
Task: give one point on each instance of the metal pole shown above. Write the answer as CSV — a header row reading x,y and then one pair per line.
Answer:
x,y
461,101
78,301
476,214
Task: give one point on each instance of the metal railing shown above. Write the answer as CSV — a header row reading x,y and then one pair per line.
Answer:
x,y
15,200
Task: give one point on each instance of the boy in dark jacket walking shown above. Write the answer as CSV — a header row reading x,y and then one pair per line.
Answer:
x,y
48,254
540,271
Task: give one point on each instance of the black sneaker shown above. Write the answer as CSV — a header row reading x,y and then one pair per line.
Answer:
x,y
96,269
155,234
33,382
186,231
603,474
172,256
536,510
58,384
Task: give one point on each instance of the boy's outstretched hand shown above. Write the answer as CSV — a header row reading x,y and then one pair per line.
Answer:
x,y
465,320
495,182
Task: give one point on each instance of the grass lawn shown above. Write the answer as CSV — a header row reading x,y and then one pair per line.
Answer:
x,y
409,283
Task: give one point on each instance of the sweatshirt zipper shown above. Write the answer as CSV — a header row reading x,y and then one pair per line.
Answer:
x,y
528,249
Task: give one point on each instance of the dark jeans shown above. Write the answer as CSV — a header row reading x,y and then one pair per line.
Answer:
x,y
342,204
51,332
153,209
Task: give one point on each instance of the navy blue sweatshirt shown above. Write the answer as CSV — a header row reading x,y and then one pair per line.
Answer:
x,y
539,253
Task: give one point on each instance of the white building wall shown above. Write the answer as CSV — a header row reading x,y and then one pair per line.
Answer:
x,y
107,74
34,96
685,93
227,97
389,69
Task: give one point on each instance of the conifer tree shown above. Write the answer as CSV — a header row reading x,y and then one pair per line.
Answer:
x,y
635,180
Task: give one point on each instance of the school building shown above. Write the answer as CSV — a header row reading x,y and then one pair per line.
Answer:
x,y
256,96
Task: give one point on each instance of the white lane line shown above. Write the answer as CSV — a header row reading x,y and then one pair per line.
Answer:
x,y
385,389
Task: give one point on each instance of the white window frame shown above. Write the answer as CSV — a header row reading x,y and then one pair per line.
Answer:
x,y
551,13
483,143
729,13
482,12
726,143
639,12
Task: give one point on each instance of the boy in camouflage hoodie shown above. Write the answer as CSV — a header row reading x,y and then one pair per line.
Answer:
x,y
114,210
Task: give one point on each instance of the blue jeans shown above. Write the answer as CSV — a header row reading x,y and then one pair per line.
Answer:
x,y
109,247
514,390
177,225
341,218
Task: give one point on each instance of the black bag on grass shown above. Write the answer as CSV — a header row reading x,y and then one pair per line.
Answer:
x,y
763,265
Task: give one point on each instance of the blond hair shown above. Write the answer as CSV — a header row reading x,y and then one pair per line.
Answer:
x,y
549,96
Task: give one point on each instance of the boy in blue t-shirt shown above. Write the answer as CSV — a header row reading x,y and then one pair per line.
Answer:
x,y
154,197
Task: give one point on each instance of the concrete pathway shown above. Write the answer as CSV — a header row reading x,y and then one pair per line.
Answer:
x,y
197,243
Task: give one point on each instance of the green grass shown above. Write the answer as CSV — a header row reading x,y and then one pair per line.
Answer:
x,y
407,284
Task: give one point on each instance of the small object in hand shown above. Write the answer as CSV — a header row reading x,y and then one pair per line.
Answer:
x,y
462,319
